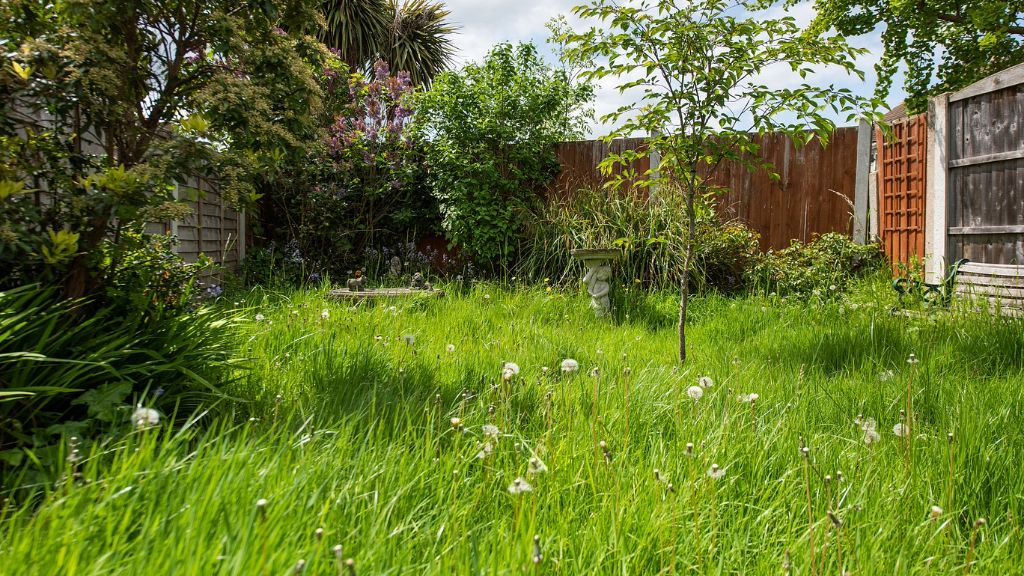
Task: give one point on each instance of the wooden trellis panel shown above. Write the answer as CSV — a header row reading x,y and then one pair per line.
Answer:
x,y
902,165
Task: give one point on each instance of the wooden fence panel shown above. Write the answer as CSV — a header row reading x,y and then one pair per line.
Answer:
x,y
902,183
814,194
579,161
986,177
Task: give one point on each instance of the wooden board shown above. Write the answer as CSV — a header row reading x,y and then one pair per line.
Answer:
x,y
902,183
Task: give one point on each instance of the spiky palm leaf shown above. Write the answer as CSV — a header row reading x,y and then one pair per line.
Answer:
x,y
419,40
356,28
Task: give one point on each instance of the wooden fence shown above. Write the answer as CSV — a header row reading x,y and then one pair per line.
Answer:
x,y
901,188
975,204
814,195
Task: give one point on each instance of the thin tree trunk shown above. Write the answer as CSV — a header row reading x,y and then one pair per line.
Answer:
x,y
684,283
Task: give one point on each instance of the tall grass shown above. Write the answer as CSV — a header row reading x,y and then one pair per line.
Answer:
x,y
348,426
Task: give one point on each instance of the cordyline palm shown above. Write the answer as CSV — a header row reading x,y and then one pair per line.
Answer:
x,y
412,36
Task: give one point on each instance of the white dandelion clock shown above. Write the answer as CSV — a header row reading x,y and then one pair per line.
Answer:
x,y
260,317
901,430
490,431
485,450
325,314
536,467
695,392
912,359
716,473
885,375
409,339
748,398
519,486
145,417
509,371
935,512
705,382
570,365
871,436
450,348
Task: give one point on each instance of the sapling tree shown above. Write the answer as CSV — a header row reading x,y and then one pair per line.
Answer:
x,y
699,69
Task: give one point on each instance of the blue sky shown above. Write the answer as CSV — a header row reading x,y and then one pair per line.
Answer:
x,y
483,23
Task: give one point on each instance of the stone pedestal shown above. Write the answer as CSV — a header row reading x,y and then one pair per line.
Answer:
x,y
599,275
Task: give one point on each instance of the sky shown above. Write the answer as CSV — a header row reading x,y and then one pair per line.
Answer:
x,y
484,23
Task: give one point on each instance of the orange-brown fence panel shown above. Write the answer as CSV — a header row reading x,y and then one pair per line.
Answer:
x,y
813,195
902,165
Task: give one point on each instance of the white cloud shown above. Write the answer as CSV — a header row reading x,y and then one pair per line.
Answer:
x,y
484,23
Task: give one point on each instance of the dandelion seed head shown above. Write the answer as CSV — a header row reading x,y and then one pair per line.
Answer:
x,y
934,512
260,317
689,449
490,430
748,398
325,314
519,486
456,423
450,348
145,417
705,382
901,430
695,392
536,466
871,436
570,365
716,473
595,372
509,370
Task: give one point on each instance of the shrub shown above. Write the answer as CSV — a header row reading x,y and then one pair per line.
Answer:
x,y
823,266
489,131
650,233
72,370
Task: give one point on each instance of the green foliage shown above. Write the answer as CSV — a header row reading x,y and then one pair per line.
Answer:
x,y
70,368
362,185
413,36
489,131
942,44
824,267
697,67
651,233
110,105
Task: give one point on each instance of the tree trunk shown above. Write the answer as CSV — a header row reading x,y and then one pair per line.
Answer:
x,y
684,283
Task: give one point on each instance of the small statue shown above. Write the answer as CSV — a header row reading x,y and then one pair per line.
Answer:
x,y
357,284
395,266
598,287
418,283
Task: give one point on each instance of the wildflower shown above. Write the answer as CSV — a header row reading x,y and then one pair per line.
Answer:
x,y
450,348
318,534
509,370
485,450
912,359
519,486
886,376
325,314
626,371
689,449
378,337
748,398
606,451
537,556
409,339
145,417
695,392
300,566
261,507
490,430
536,466
865,423
260,317
456,423
595,372
487,296
716,473
570,365
901,430
871,436
705,382
544,369
935,512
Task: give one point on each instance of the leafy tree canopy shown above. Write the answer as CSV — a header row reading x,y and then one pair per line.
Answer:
x,y
944,44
